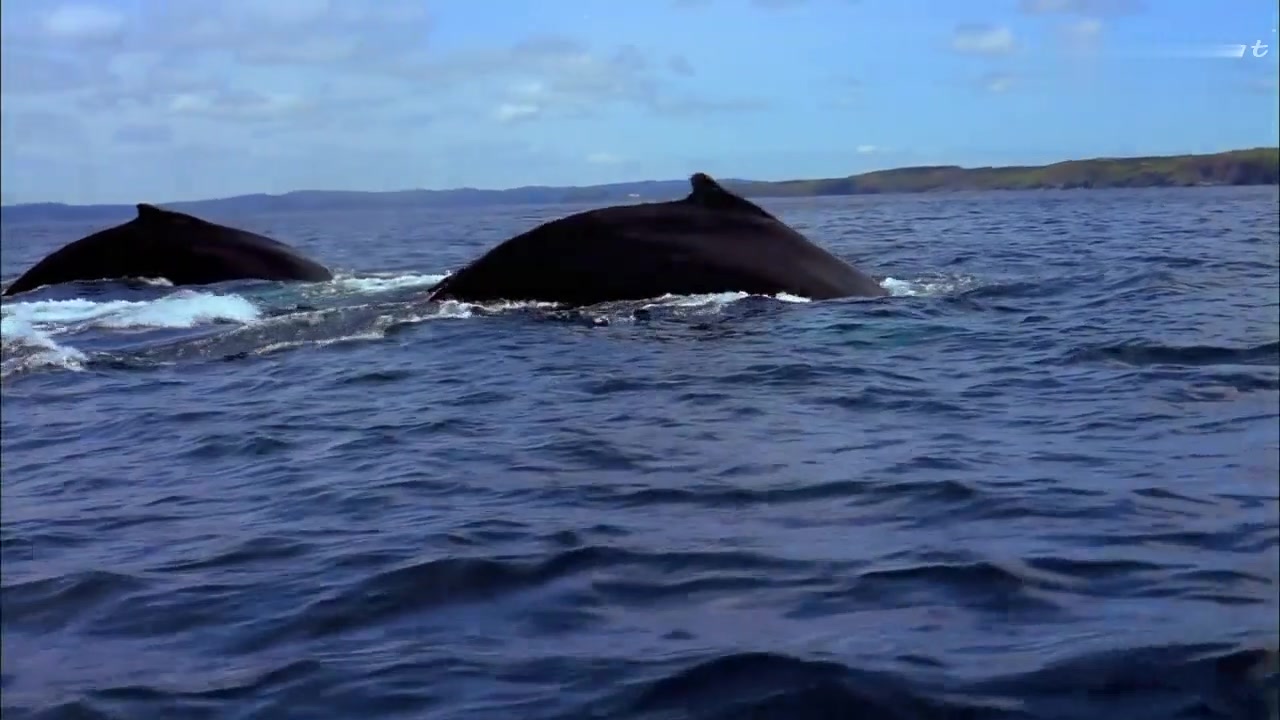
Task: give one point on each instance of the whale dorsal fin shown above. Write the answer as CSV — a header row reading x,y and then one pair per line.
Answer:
x,y
150,213
708,193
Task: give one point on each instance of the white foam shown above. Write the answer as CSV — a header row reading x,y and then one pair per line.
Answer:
x,y
33,333
441,310
34,323
183,309
923,287
376,334
25,346
383,282
457,309
28,330
715,300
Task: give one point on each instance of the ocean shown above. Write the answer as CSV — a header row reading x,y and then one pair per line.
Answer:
x,y
1040,480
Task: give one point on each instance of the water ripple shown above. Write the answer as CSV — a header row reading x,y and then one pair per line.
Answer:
x,y
1039,481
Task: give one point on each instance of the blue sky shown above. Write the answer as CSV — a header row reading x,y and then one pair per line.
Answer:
x,y
162,100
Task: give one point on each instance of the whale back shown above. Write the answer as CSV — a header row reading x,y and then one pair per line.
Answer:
x,y
710,241
181,248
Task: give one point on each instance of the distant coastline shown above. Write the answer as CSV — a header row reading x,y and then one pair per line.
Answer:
x,y
1255,166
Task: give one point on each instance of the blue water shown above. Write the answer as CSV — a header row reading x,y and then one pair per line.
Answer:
x,y
1038,481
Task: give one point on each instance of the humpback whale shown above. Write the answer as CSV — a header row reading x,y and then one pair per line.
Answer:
x,y
709,241
181,248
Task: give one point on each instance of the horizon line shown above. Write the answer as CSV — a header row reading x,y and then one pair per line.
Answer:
x,y
466,188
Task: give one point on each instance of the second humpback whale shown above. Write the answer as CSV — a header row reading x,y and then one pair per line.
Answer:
x,y
709,241
181,248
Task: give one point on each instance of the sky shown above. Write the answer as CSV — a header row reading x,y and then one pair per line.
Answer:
x,y
125,101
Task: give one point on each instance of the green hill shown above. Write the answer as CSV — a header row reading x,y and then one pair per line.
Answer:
x,y
1258,166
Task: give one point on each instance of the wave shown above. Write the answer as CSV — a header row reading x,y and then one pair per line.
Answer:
x,y
62,333
1187,681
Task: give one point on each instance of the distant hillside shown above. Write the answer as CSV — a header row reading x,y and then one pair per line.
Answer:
x,y
1257,166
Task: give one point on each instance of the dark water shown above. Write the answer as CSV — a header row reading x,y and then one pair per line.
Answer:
x,y
1040,481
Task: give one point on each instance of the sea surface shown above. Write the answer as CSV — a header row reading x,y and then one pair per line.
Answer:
x,y
1038,481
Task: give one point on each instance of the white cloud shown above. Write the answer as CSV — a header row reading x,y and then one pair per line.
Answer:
x,y
1045,7
603,158
997,82
158,84
1099,8
868,149
1085,28
561,76
514,112
763,4
1084,34
983,40
252,62
221,103
84,23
